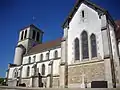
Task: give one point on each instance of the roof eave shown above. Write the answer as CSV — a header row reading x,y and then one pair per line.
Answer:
x,y
111,19
72,12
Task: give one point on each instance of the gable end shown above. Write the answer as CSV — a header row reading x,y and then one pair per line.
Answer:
x,y
95,7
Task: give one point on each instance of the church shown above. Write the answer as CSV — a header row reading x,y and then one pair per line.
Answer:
x,y
86,55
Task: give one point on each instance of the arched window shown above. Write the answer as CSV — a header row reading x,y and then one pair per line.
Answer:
x,y
77,52
84,37
22,35
25,34
47,56
29,60
56,54
15,73
93,45
41,57
28,71
43,69
35,70
38,36
34,58
33,35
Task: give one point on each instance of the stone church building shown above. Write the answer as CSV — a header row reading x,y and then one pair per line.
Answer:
x,y
87,52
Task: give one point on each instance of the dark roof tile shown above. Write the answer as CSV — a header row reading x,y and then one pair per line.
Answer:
x,y
44,46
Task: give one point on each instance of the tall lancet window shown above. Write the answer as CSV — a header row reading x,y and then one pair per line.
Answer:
x,y
28,71
38,35
25,36
43,69
77,52
84,37
33,35
93,45
22,35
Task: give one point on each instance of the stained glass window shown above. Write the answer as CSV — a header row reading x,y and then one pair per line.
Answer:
x,y
85,52
93,45
77,52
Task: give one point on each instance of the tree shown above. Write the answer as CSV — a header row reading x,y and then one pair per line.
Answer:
x,y
1,81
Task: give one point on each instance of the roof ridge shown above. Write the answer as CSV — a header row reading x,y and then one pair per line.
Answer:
x,y
44,46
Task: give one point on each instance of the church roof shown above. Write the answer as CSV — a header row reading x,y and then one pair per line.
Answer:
x,y
44,46
90,4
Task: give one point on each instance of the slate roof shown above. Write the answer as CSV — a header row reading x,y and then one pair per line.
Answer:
x,y
44,46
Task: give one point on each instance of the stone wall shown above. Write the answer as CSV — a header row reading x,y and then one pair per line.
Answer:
x,y
92,71
26,81
55,82
44,81
12,82
35,82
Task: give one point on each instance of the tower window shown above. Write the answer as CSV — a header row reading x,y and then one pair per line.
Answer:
x,y
33,36
22,35
83,14
38,35
25,34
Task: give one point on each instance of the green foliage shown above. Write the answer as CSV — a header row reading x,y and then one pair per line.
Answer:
x,y
1,80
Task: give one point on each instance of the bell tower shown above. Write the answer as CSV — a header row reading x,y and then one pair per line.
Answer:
x,y
28,38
